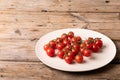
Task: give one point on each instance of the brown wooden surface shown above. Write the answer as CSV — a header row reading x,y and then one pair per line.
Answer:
x,y
23,22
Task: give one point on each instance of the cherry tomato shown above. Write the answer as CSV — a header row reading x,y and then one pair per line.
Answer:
x,y
70,34
82,45
46,46
64,36
65,50
76,46
90,38
68,46
81,50
86,42
86,52
60,54
78,38
73,39
71,54
79,58
50,52
99,43
52,44
95,48
75,51
59,40
68,59
89,46
59,46
89,41
66,41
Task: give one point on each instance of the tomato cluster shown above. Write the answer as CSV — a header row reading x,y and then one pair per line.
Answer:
x,y
72,48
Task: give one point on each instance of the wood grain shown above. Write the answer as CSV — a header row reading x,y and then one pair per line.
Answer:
x,y
36,70
61,5
29,33
55,17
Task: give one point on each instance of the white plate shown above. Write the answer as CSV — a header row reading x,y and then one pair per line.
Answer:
x,y
97,60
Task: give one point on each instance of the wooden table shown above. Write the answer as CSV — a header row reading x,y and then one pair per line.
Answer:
x,y
23,22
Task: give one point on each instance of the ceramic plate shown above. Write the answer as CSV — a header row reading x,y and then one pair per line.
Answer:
x,y
97,60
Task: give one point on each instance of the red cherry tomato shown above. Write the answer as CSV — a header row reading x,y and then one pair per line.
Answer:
x,y
60,54
52,43
68,60
99,43
87,53
71,54
82,45
59,46
79,58
65,50
78,38
50,52
70,34
64,36
76,46
81,50
90,38
95,48
73,39
75,51
59,40
66,41
46,46
89,46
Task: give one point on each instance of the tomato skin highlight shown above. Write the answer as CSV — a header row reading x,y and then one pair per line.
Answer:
x,y
50,52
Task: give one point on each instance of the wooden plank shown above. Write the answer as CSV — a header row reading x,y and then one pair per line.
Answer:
x,y
36,70
54,17
61,5
34,26
17,50
29,33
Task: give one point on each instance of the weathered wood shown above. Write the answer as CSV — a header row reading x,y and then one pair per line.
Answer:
x,y
29,33
55,17
36,70
61,5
